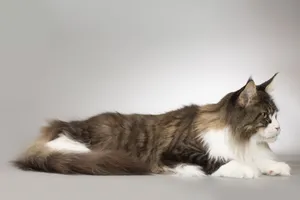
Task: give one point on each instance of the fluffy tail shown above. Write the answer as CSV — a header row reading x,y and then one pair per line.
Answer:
x,y
39,158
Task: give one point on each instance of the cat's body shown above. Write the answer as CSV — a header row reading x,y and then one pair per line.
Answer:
x,y
229,138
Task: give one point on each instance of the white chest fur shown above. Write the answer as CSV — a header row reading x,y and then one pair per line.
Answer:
x,y
248,160
221,147
218,144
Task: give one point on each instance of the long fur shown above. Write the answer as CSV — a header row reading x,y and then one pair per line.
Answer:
x,y
39,157
92,163
214,139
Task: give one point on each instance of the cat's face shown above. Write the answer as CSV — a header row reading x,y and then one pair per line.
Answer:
x,y
253,113
270,131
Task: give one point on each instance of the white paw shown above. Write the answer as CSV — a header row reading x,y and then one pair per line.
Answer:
x,y
278,169
184,170
234,169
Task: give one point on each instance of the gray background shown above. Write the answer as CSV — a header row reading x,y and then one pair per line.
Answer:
x,y
71,59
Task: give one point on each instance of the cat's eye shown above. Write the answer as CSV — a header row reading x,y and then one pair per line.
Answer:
x,y
264,114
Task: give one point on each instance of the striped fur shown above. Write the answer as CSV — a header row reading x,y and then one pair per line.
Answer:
x,y
122,144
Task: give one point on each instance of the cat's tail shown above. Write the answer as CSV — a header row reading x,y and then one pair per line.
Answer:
x,y
90,163
38,157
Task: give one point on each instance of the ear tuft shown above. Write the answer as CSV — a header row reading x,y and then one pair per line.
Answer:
x,y
268,85
250,79
248,93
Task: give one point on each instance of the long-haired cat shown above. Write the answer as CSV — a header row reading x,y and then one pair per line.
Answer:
x,y
226,139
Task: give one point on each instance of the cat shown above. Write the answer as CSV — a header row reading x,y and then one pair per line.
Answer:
x,y
229,138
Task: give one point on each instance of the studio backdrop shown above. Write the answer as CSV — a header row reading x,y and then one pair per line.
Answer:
x,y
71,59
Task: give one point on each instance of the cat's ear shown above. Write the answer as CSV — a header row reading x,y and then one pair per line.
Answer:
x,y
247,94
268,85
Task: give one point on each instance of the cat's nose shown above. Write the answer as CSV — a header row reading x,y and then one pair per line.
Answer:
x,y
278,128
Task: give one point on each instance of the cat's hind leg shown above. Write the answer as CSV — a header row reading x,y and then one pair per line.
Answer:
x,y
184,170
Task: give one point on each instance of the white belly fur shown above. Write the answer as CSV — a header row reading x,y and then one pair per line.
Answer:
x,y
66,144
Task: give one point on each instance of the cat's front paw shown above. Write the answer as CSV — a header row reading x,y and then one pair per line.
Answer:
x,y
234,169
278,169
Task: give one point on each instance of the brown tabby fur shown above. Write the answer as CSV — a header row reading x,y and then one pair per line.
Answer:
x,y
124,144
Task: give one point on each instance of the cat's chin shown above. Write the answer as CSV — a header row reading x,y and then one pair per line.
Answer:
x,y
271,139
260,138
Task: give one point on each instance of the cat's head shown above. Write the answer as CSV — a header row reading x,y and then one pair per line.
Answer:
x,y
252,113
